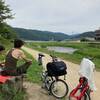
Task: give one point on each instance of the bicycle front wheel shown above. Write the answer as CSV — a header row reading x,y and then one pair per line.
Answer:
x,y
59,88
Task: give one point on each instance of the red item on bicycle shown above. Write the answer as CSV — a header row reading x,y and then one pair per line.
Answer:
x,y
3,79
82,92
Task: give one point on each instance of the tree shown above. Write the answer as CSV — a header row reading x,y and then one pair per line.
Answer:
x,y
5,13
84,39
8,32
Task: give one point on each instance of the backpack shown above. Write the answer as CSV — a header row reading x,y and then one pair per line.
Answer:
x,y
56,68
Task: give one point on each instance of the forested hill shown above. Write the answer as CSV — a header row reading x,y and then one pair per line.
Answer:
x,y
28,34
90,34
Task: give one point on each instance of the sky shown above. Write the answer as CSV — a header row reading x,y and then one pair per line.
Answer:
x,y
67,16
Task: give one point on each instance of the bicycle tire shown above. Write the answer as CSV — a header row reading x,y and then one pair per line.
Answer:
x,y
85,97
54,91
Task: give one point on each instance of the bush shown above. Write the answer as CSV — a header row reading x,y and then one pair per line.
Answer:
x,y
84,40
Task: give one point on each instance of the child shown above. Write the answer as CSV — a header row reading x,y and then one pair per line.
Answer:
x,y
87,68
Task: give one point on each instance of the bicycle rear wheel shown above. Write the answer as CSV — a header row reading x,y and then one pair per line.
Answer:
x,y
59,88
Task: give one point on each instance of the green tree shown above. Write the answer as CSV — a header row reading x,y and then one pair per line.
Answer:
x,y
8,32
5,13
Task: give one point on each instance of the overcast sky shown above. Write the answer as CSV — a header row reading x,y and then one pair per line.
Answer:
x,y
68,16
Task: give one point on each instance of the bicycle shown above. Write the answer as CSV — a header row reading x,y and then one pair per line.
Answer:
x,y
55,86
82,91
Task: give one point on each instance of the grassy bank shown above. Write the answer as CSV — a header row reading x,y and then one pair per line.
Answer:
x,y
84,50
33,74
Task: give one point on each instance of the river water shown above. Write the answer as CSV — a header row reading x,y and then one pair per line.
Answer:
x,y
68,50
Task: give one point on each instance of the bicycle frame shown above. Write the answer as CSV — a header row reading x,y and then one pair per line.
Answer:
x,y
44,76
82,93
49,83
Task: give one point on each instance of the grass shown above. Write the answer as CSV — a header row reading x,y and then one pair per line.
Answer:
x,y
19,96
84,50
34,71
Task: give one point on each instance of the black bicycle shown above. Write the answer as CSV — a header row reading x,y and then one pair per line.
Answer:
x,y
55,86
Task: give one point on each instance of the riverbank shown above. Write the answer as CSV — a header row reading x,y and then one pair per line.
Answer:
x,y
83,50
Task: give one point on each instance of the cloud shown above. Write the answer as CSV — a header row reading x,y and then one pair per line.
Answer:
x,y
56,15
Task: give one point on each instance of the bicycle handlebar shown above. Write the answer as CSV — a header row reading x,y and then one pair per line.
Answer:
x,y
54,58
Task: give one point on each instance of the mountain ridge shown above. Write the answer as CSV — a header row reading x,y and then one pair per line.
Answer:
x,y
38,35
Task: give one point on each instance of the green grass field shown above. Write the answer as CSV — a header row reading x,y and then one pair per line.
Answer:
x,y
84,50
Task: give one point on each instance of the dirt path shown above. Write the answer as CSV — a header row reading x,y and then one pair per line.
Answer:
x,y
35,92
71,78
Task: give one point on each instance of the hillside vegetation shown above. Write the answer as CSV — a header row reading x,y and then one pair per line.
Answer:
x,y
28,34
38,35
